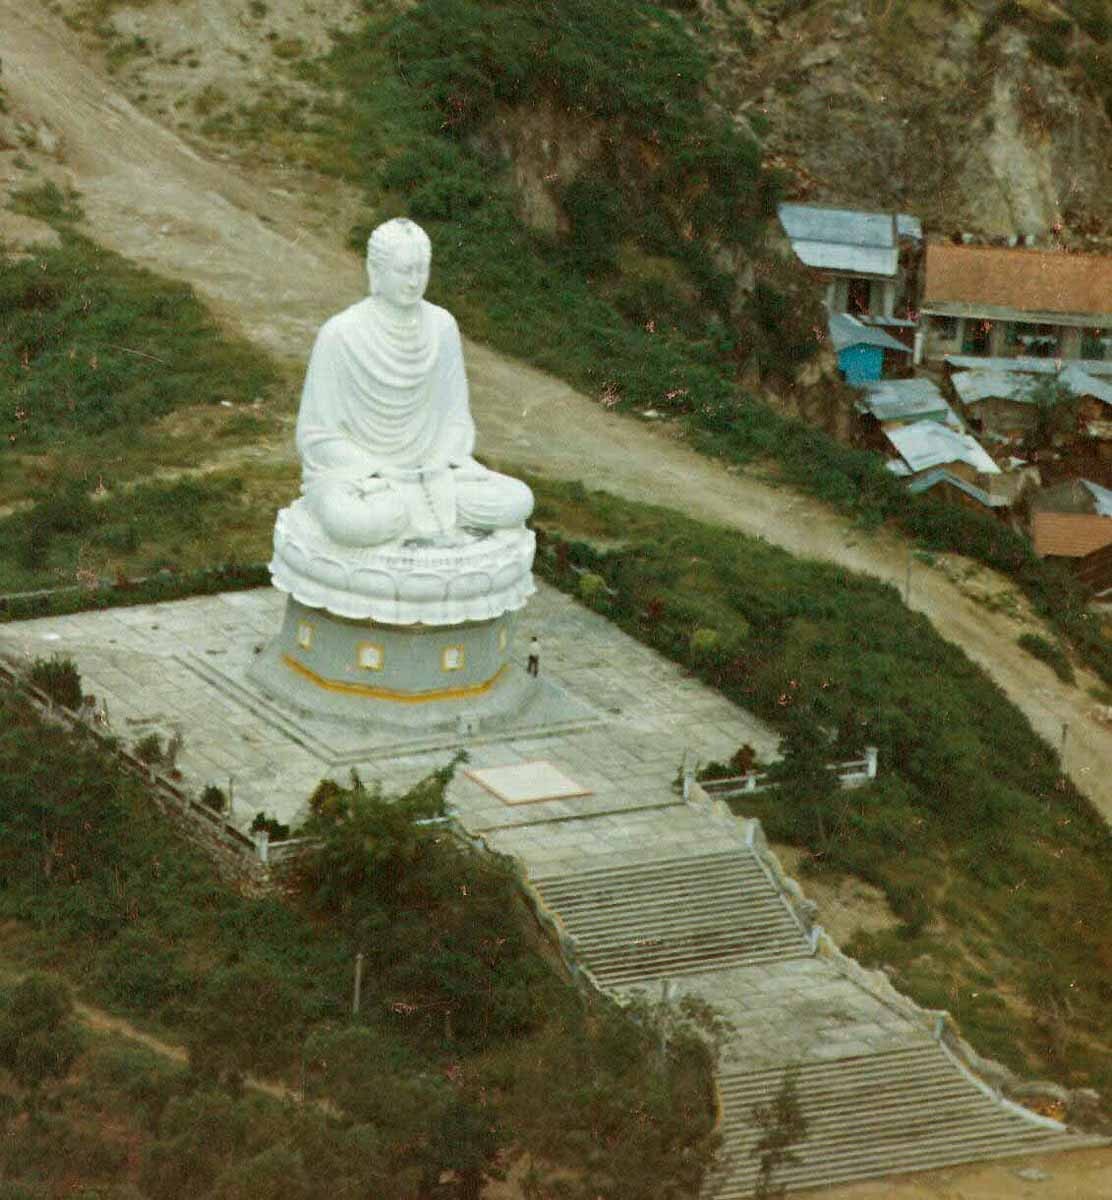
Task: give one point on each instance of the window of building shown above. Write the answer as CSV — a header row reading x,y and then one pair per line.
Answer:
x,y
1096,343
1047,342
858,296
978,337
946,327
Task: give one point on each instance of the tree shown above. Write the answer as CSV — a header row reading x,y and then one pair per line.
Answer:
x,y
782,1128
804,778
1056,411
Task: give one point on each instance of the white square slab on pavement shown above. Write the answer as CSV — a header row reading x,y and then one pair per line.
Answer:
x,y
527,783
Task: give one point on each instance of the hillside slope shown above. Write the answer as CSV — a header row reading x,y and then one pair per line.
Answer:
x,y
994,118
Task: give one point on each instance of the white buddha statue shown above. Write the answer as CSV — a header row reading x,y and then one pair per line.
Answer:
x,y
384,430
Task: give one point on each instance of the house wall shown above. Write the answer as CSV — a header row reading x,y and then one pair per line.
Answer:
x,y
882,294
1093,572
1001,343
861,363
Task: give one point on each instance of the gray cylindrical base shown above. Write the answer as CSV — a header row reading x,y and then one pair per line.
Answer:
x,y
415,677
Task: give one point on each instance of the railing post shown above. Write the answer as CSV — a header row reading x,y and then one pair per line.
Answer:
x,y
870,761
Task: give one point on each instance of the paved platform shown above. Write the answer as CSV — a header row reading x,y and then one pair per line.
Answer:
x,y
626,719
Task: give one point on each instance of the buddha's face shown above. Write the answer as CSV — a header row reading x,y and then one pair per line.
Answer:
x,y
401,280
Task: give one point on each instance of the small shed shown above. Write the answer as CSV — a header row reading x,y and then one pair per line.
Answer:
x,y
861,348
934,456
999,402
1095,396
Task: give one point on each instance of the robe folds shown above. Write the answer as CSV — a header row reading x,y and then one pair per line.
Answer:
x,y
383,396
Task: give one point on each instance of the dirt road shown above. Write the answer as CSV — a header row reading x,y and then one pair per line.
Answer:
x,y
261,259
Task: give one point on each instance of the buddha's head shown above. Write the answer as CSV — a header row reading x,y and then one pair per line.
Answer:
x,y
398,256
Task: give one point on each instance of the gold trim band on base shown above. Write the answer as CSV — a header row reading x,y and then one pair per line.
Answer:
x,y
374,693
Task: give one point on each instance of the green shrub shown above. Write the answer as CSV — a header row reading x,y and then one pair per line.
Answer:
x,y
591,587
59,678
215,798
38,1040
149,749
702,643
139,973
1050,653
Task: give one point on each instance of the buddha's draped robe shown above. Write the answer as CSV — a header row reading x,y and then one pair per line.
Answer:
x,y
385,431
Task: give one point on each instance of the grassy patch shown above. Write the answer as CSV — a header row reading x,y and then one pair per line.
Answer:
x,y
183,525
95,346
995,864
1050,653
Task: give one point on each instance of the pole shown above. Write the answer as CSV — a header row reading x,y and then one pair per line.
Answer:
x,y
357,993
907,582
1062,752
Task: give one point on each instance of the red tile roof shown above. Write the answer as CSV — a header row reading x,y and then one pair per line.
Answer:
x,y
1050,281
1070,535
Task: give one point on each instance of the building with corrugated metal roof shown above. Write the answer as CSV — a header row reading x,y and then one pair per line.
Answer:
x,y
858,255
863,350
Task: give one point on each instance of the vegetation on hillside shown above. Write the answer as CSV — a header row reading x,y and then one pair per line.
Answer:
x,y
95,345
1000,871
469,1051
633,303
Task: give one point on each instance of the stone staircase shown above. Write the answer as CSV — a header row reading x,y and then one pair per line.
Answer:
x,y
909,1110
721,925
675,916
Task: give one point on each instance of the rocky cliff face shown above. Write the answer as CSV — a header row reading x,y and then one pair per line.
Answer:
x,y
981,117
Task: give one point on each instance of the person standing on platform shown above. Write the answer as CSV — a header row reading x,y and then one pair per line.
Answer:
x,y
534,664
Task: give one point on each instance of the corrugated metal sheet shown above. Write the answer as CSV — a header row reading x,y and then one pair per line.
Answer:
x,y
856,260
845,226
848,331
974,386
904,399
927,444
932,478
841,239
1081,383
1032,366
1102,497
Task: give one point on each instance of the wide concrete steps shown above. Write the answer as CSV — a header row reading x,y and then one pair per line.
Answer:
x,y
906,1110
674,916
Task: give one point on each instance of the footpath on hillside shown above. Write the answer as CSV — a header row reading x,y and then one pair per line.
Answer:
x,y
261,258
